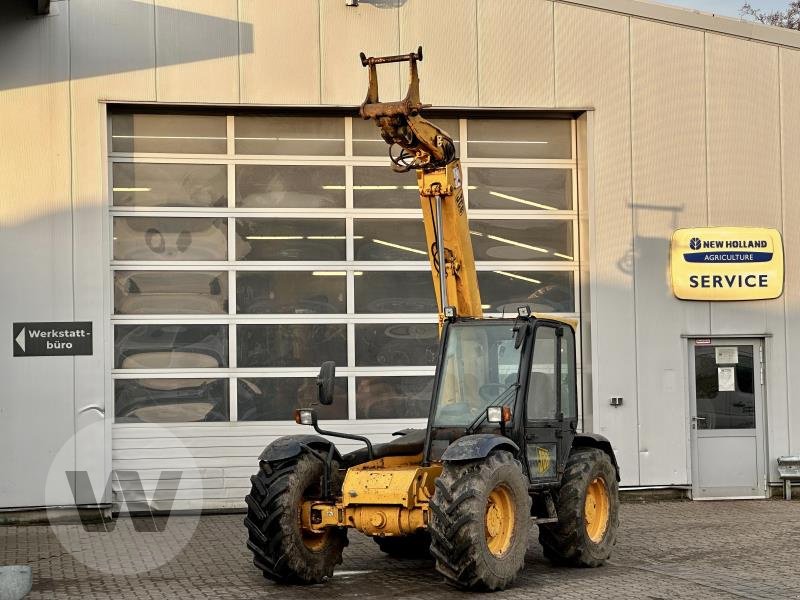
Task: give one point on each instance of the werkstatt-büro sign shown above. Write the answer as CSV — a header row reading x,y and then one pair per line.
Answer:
x,y
726,263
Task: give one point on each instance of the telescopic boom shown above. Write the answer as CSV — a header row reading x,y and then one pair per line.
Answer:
x,y
429,151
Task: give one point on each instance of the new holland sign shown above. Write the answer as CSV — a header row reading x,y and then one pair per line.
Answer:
x,y
726,263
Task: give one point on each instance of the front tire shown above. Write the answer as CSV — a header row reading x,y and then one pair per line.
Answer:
x,y
588,512
480,516
281,548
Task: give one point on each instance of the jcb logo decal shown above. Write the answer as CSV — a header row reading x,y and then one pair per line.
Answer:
x,y
543,460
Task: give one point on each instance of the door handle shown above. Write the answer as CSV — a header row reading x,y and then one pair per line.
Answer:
x,y
695,420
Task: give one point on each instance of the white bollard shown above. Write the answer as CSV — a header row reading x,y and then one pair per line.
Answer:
x,y
15,582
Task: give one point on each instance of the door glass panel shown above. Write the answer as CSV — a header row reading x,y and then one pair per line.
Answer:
x,y
542,459
520,189
275,398
569,403
724,380
285,186
542,403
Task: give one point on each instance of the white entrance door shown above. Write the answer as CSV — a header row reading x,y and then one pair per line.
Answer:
x,y
727,427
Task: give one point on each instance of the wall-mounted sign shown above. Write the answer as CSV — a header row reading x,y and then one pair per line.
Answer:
x,y
52,339
726,263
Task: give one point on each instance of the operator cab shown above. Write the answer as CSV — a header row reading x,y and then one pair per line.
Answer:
x,y
525,367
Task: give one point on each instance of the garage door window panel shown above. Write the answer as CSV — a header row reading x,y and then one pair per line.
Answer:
x,y
174,134
289,186
170,292
379,187
389,240
290,239
170,400
171,346
394,292
502,291
520,189
291,292
519,138
396,344
407,397
290,345
522,240
170,238
367,140
168,184
309,136
276,398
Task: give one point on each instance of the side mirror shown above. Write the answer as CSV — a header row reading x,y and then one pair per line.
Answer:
x,y
325,379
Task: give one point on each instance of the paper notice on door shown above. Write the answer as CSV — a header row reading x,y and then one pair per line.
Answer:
x,y
726,379
727,355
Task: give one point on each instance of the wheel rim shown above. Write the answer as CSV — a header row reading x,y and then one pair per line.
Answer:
x,y
499,520
596,509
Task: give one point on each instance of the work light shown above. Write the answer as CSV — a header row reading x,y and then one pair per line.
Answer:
x,y
304,416
498,414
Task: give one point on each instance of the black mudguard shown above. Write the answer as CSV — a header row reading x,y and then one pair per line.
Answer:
x,y
290,446
479,445
595,440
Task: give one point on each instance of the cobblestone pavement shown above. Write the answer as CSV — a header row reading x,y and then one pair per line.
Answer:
x,y
665,550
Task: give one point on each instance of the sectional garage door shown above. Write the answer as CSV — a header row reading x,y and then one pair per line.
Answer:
x,y
246,249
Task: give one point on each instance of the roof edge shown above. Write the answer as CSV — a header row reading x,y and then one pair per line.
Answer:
x,y
695,19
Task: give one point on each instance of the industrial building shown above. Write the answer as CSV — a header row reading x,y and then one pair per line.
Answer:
x,y
193,217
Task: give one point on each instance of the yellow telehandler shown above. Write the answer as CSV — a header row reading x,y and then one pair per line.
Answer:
x,y
501,448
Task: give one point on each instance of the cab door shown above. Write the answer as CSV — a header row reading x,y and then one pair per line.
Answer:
x,y
550,405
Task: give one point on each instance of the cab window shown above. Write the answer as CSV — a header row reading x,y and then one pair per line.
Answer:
x,y
542,396
568,375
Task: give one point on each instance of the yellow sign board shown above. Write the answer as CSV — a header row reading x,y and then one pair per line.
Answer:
x,y
726,263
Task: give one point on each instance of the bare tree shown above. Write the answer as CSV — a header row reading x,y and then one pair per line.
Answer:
x,y
789,18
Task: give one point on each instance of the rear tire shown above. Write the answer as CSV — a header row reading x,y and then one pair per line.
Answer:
x,y
588,511
416,546
281,549
480,515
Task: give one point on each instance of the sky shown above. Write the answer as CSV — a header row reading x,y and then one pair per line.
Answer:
x,y
728,8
